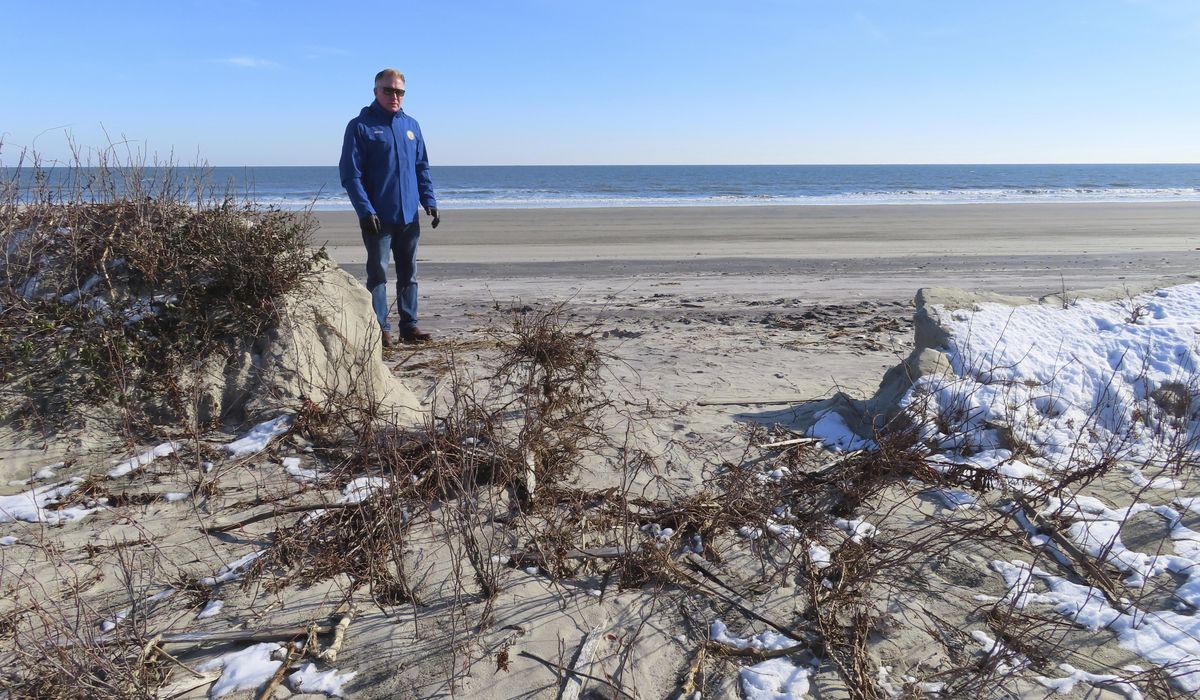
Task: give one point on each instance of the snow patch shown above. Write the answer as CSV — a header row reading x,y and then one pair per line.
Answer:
x,y
233,570
31,505
361,489
259,437
1166,638
831,429
773,679
291,465
309,680
142,460
211,609
243,670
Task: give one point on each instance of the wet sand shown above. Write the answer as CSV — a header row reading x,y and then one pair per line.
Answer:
x,y
821,251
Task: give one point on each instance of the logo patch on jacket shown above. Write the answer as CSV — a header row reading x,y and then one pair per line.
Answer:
x,y
411,135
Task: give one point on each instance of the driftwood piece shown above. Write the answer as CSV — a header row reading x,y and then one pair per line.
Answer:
x,y
573,685
527,481
729,595
1089,570
560,670
153,650
752,402
266,515
789,443
823,472
330,654
294,654
263,635
270,634
688,687
183,687
824,468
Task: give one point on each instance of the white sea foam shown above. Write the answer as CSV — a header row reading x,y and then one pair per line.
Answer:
x,y
557,187
543,200
981,196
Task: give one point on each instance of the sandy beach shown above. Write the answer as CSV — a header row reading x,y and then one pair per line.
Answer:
x,y
649,272
818,252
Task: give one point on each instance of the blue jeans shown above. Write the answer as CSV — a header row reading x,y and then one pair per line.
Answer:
x,y
401,240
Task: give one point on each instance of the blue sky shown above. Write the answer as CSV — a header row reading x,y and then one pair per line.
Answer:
x,y
239,82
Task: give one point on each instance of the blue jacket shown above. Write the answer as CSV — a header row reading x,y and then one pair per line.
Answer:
x,y
384,166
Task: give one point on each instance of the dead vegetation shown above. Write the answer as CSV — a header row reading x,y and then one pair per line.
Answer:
x,y
433,523
855,559
118,279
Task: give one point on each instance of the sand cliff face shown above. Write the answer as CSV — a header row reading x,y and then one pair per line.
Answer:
x,y
327,348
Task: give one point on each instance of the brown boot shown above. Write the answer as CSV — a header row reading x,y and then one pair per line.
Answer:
x,y
414,334
387,340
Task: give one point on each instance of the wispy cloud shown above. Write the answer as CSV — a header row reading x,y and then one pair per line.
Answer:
x,y
248,62
868,27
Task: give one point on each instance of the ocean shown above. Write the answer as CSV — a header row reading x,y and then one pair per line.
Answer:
x,y
555,186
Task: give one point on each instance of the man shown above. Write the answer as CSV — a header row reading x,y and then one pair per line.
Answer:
x,y
385,170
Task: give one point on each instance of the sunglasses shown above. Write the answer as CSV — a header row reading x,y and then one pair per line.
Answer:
x,y
395,92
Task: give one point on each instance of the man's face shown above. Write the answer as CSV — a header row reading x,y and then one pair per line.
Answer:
x,y
389,93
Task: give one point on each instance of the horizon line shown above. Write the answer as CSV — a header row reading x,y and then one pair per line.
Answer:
x,y
58,164
722,165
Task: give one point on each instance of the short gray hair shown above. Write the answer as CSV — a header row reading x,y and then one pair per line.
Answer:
x,y
389,73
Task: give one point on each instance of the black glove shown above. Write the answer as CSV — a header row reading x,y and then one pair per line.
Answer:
x,y
369,225
432,211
